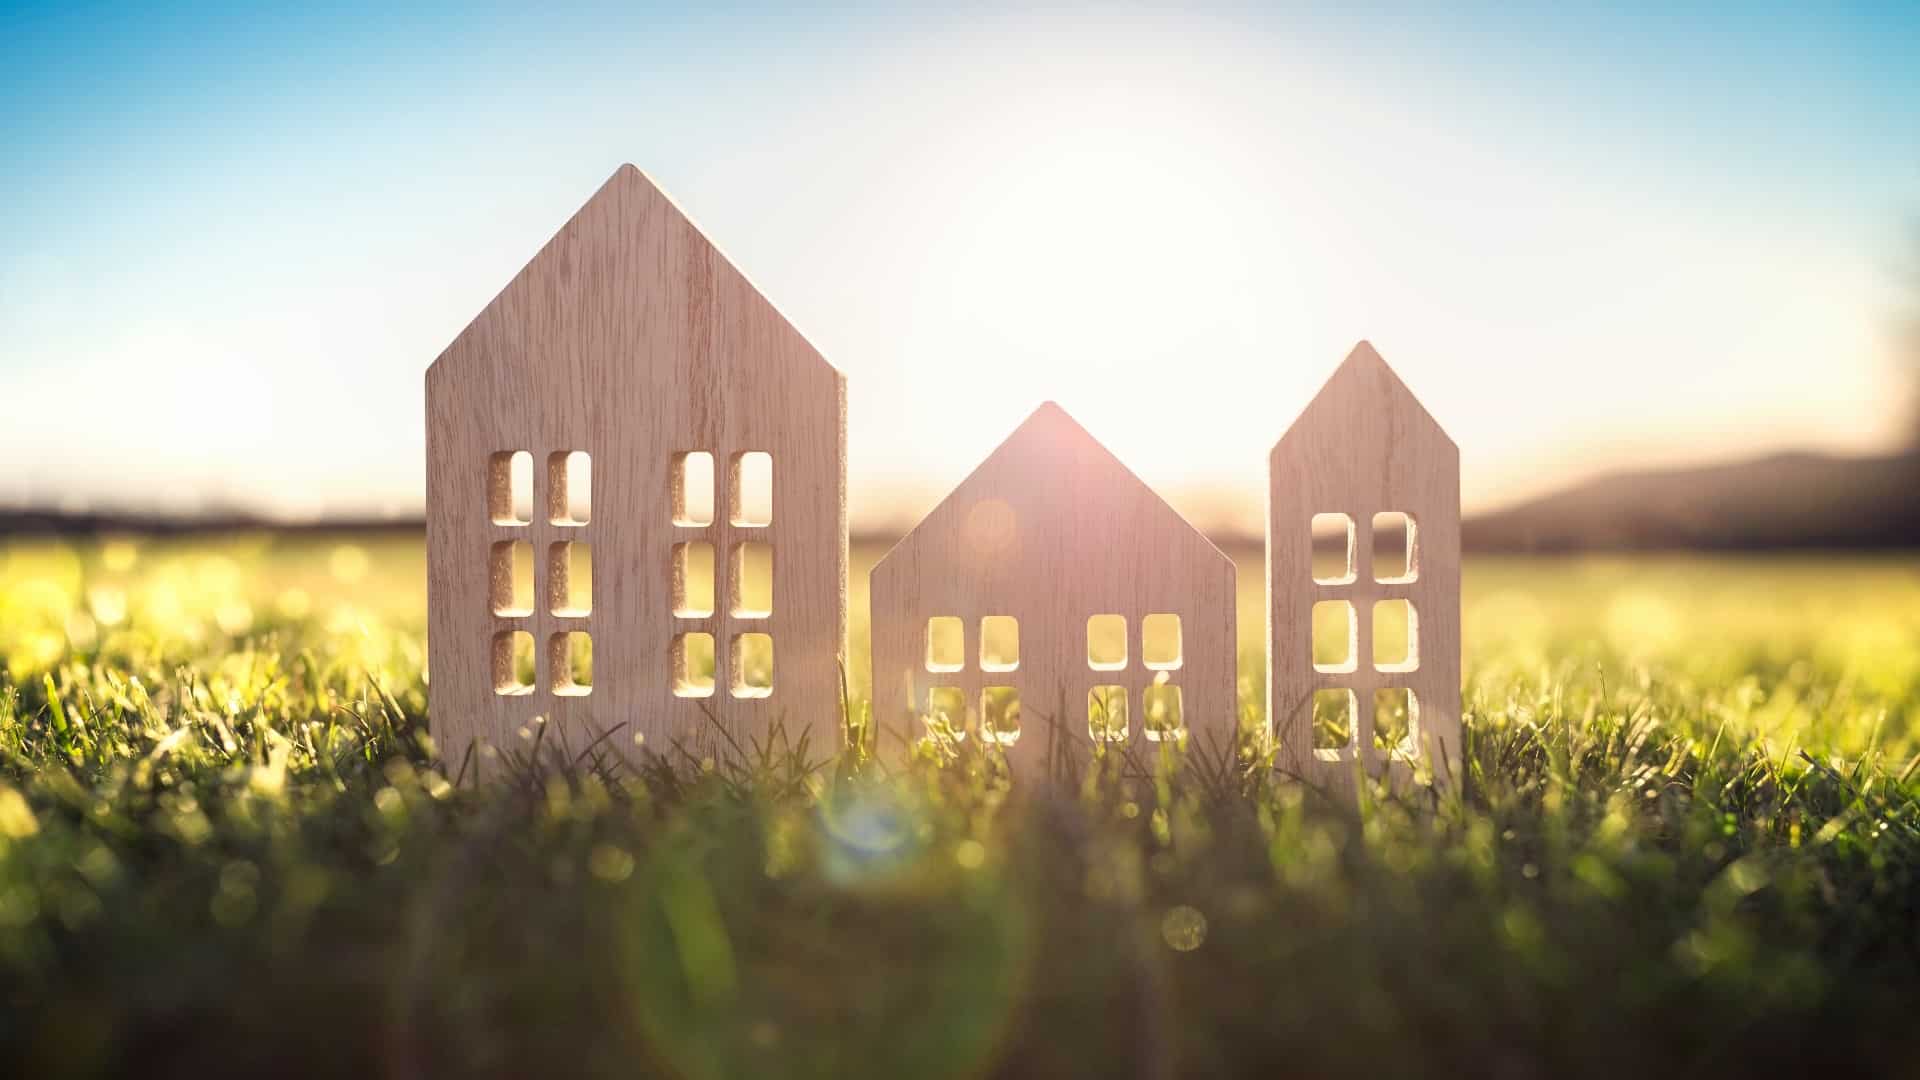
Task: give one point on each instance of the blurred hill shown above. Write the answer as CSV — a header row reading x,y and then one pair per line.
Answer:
x,y
1783,501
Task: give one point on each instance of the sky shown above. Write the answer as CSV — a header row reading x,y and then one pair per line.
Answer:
x,y
232,240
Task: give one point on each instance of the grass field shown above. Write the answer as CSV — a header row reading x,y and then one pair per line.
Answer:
x,y
1691,845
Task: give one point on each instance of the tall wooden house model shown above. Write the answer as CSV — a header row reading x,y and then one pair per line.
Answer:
x,y
636,498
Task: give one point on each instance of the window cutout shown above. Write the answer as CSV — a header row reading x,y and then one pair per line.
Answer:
x,y
1160,642
513,663
1396,636
1336,636
1107,642
947,706
570,580
750,666
569,487
999,643
1107,714
510,487
1000,715
570,663
1333,549
510,579
1161,718
1332,724
750,489
690,488
752,576
946,643
691,662
1396,549
693,579
1396,720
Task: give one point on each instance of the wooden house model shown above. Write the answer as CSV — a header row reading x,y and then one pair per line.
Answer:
x,y
1053,599
1364,640
636,499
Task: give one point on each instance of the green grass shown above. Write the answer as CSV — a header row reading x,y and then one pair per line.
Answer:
x,y
1690,845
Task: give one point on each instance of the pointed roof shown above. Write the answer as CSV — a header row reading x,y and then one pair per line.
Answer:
x,y
621,238
1363,384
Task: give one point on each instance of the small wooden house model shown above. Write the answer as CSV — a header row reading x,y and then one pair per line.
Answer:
x,y
1364,634
636,499
1053,599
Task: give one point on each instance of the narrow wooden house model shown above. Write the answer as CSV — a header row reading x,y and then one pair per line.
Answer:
x,y
1050,600
636,499
1363,583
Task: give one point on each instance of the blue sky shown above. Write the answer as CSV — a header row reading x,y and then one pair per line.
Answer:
x,y
235,239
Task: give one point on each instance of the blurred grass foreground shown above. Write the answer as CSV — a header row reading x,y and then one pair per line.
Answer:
x,y
1689,845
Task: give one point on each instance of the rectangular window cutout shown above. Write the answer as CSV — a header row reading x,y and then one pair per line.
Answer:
x,y
752,575
569,487
999,643
570,580
946,643
1336,636
691,664
513,663
1333,718
692,592
750,666
570,663
1396,719
1333,549
947,707
690,488
750,489
1160,642
510,579
1396,636
1000,715
1107,642
1107,714
510,487
1396,549
1161,717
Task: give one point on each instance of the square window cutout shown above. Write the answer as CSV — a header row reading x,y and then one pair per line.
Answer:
x,y
1332,549
946,643
1107,642
513,663
1107,714
752,575
999,643
750,666
1161,718
570,580
1396,722
1396,636
1396,548
510,579
1333,724
1000,715
692,579
1336,636
510,487
947,708
691,665
750,489
690,488
570,662
1160,642
569,488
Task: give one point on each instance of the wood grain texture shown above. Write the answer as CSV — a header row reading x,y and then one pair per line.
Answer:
x,y
1051,529
630,337
1364,446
